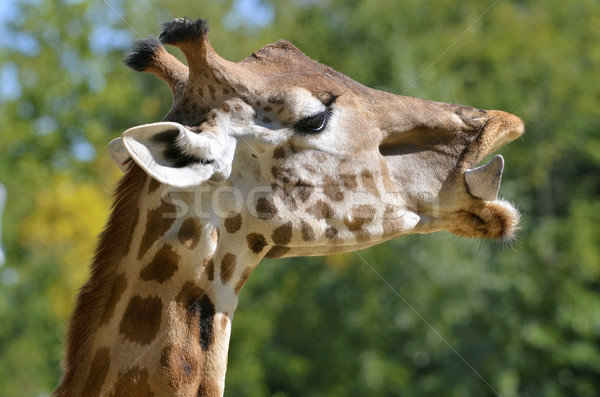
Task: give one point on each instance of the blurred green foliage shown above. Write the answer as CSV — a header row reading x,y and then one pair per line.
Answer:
x,y
419,316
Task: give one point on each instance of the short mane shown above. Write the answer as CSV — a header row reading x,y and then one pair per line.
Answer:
x,y
93,295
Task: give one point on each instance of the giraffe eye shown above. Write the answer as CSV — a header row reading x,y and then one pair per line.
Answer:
x,y
314,124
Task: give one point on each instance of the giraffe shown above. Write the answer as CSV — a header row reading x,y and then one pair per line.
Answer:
x,y
274,156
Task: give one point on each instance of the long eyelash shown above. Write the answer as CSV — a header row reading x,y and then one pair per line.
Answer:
x,y
303,127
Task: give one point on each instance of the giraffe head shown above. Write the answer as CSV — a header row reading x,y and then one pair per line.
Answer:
x,y
306,155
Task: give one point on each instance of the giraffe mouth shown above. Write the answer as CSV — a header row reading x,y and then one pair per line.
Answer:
x,y
500,129
487,216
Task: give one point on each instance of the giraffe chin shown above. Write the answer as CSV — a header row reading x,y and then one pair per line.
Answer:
x,y
497,219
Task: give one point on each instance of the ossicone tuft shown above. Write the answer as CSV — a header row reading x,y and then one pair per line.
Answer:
x,y
142,54
182,30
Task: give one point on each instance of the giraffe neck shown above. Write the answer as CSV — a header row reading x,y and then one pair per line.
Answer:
x,y
163,323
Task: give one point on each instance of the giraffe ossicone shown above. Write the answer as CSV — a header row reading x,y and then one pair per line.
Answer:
x,y
274,156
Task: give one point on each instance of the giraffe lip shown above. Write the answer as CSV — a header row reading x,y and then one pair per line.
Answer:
x,y
484,182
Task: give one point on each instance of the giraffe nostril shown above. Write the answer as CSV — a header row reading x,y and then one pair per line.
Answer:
x,y
394,144
434,140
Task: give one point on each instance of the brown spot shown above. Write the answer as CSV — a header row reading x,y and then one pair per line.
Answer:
x,y
212,92
243,278
359,216
304,192
118,287
210,269
321,210
225,107
227,267
285,197
279,153
283,174
233,222
141,320
132,383
349,181
158,222
362,235
268,108
153,185
331,233
190,232
162,267
198,312
277,251
97,372
256,242
369,183
283,234
265,209
134,222
391,222
332,189
226,91
181,365
307,231
347,174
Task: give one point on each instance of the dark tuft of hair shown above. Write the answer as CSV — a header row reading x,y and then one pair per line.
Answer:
x,y
174,153
142,53
182,29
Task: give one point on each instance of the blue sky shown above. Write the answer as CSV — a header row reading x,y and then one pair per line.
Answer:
x,y
249,13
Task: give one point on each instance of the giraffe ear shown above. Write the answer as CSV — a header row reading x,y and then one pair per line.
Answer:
x,y
118,154
177,157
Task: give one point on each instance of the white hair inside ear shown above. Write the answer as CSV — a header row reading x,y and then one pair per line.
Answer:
x,y
210,148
